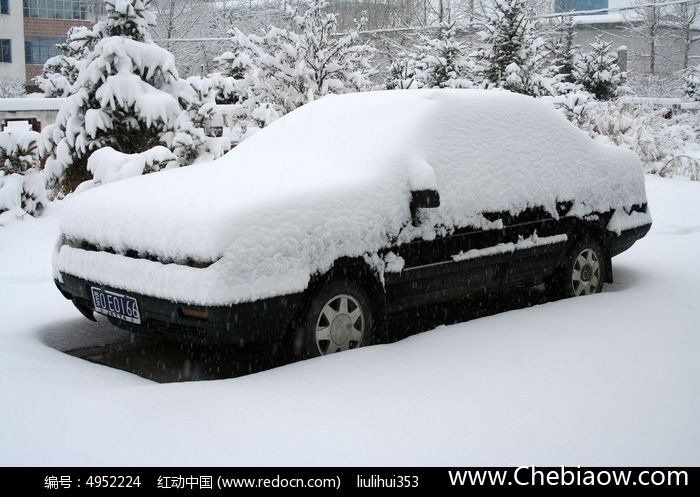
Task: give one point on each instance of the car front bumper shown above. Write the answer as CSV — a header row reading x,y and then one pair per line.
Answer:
x,y
261,321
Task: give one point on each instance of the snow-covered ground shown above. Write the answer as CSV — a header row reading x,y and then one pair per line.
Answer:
x,y
608,379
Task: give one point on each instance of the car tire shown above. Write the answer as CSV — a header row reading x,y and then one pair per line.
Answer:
x,y
581,273
339,317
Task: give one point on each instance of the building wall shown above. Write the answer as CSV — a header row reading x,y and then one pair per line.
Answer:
x,y
47,28
12,28
669,57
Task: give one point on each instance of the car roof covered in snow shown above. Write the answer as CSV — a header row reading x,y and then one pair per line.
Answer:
x,y
333,178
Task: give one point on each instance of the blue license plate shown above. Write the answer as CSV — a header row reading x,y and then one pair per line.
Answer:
x,y
116,305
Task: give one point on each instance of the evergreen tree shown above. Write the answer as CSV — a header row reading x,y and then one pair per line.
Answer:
x,y
61,71
691,83
229,83
599,73
512,58
125,97
441,62
564,56
402,72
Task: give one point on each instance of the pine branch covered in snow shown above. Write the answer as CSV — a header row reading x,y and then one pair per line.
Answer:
x,y
230,80
128,18
512,58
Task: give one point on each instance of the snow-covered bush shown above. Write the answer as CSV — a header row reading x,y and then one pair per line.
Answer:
x,y
286,68
513,56
61,71
19,150
22,185
684,166
126,96
666,143
574,105
599,73
10,88
691,83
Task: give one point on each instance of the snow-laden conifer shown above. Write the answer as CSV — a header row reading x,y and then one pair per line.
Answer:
x,y
126,96
599,73
513,54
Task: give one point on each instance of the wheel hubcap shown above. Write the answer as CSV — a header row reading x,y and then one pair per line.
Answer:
x,y
340,325
586,273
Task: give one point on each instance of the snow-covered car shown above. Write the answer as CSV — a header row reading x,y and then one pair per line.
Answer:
x,y
316,228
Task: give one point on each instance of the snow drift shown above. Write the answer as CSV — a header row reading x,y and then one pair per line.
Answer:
x,y
333,178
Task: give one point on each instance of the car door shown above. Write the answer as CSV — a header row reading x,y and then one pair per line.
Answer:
x,y
538,245
447,267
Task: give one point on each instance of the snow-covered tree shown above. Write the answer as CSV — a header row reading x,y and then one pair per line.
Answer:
x,y
22,185
61,71
438,62
684,18
402,72
564,55
19,150
691,83
599,72
442,63
287,68
646,23
512,58
126,96
229,82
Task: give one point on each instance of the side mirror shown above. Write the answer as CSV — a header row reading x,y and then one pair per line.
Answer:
x,y
423,199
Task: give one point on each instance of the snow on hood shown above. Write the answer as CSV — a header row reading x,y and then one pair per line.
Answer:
x,y
333,178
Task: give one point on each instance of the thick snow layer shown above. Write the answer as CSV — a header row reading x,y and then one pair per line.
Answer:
x,y
108,165
26,104
611,379
333,179
126,89
621,220
11,192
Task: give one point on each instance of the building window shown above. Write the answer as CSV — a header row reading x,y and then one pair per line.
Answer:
x,y
5,51
579,5
4,6
58,9
38,49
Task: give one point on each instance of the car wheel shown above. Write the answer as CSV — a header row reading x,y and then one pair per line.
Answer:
x,y
582,272
339,317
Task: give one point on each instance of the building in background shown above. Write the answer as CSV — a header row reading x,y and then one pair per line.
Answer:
x,y
30,30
